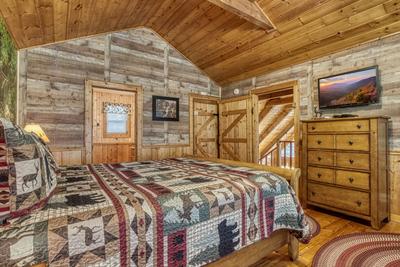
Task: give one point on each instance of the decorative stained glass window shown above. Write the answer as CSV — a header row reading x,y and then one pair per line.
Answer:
x,y
117,118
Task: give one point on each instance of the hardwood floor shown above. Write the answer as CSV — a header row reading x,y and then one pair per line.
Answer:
x,y
331,226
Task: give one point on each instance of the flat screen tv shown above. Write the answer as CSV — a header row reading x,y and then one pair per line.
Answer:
x,y
348,89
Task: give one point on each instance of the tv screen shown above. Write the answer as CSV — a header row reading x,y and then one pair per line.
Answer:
x,y
349,89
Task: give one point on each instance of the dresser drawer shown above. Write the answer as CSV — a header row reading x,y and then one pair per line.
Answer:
x,y
321,157
321,141
352,179
321,174
353,142
339,126
352,160
340,198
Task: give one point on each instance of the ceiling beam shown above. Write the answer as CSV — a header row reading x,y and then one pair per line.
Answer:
x,y
268,146
248,10
275,122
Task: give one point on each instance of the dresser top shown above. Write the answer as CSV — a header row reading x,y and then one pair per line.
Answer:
x,y
344,119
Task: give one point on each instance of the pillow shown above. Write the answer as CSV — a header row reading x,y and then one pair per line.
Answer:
x,y
28,172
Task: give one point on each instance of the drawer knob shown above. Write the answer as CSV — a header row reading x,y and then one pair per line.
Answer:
x,y
319,158
312,128
358,203
313,193
319,175
319,142
351,143
358,126
351,180
351,161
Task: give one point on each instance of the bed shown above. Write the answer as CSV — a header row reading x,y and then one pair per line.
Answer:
x,y
172,212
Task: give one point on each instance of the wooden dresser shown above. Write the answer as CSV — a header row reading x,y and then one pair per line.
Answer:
x,y
344,166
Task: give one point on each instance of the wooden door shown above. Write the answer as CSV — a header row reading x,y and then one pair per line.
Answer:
x,y
205,127
113,124
238,137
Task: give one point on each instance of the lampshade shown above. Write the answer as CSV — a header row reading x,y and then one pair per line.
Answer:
x,y
35,128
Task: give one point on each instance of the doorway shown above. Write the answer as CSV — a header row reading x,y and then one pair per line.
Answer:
x,y
112,123
278,125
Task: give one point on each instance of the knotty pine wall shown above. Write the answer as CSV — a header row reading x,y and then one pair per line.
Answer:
x,y
386,54
52,78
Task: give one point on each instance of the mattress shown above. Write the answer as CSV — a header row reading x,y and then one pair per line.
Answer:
x,y
172,212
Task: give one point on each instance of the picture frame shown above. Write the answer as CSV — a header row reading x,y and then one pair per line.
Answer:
x,y
165,108
358,87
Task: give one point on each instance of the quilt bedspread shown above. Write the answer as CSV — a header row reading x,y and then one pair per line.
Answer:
x,y
173,212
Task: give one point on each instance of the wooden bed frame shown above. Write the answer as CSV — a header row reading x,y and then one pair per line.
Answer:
x,y
257,251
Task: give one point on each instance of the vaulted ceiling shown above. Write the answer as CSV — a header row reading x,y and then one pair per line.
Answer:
x,y
227,44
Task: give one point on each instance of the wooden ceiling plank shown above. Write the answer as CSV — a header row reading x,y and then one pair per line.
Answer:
x,y
167,16
284,44
60,20
296,38
337,43
183,14
9,11
275,122
270,144
44,12
248,10
189,21
223,55
210,32
130,13
264,112
228,40
321,24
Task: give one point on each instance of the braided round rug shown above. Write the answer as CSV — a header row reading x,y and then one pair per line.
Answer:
x,y
359,250
314,225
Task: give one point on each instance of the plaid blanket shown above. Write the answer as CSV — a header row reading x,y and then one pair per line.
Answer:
x,y
174,212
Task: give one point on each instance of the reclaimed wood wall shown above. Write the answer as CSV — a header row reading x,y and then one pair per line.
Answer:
x,y
52,79
385,53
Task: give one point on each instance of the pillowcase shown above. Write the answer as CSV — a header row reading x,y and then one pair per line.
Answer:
x,y
28,172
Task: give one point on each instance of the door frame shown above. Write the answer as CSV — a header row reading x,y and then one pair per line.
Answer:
x,y
192,97
294,85
89,84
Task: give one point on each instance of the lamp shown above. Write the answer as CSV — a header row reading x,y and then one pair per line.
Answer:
x,y
35,128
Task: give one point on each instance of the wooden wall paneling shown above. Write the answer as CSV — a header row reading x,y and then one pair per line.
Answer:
x,y
66,156
22,86
394,179
55,77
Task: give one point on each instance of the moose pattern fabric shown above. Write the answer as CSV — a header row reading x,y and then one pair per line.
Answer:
x,y
173,212
28,172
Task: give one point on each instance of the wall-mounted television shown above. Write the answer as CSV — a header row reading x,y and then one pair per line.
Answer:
x,y
348,89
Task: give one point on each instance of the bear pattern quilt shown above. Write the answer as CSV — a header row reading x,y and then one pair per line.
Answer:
x,y
173,212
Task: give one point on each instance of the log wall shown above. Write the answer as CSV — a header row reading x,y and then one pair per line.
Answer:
x,y
52,80
386,54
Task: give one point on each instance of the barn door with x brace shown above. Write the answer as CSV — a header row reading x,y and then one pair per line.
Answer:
x,y
205,126
238,137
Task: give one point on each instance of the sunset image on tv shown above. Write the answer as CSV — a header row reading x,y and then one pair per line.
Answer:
x,y
354,88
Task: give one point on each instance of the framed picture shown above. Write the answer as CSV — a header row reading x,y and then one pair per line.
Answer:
x,y
165,108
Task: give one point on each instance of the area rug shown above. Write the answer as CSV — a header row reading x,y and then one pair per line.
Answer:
x,y
360,249
314,225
